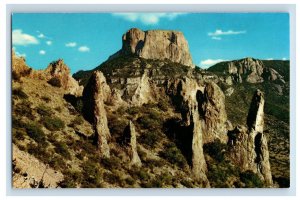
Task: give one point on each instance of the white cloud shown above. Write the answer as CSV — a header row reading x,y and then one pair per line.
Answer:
x,y
20,54
23,39
216,38
284,58
71,44
42,52
270,58
83,49
147,18
209,62
49,42
41,35
219,32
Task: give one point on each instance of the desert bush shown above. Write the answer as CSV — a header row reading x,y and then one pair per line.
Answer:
x,y
130,181
251,179
216,150
91,175
133,110
18,92
55,82
46,99
187,183
24,109
53,123
78,120
44,111
71,179
111,163
150,138
57,162
149,123
113,178
62,149
39,151
35,131
172,154
18,134
163,105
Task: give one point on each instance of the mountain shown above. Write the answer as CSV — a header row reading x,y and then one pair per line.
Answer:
x,y
149,119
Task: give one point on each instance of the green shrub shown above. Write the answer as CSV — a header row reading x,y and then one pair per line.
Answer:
x,y
39,151
24,109
78,120
111,163
150,138
91,175
46,99
130,181
62,149
44,111
34,131
251,179
112,178
187,183
216,150
133,110
71,179
53,123
19,134
163,105
172,154
18,92
55,82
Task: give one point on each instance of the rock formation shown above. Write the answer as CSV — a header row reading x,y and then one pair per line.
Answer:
x,y
185,92
19,67
248,147
212,112
156,44
60,71
94,95
130,141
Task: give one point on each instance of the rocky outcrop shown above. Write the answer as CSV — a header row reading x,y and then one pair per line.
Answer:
x,y
156,44
248,146
130,142
58,71
94,95
212,113
184,93
19,67
29,172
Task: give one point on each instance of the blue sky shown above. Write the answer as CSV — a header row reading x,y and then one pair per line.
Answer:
x,y
86,40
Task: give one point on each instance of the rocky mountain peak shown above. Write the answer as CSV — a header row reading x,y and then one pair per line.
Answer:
x,y
156,44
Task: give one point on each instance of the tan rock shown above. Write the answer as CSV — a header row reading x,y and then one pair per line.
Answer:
x,y
156,44
248,147
130,141
59,70
94,95
213,113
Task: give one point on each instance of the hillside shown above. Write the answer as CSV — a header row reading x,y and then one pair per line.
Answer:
x,y
139,122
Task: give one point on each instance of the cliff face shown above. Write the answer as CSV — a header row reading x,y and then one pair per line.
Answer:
x,y
156,44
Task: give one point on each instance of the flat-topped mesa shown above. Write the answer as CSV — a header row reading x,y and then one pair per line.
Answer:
x,y
156,44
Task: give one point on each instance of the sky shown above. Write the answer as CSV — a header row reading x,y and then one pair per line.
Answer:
x,y
85,40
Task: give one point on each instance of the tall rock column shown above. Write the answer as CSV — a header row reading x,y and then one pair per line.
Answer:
x,y
94,95
249,147
130,141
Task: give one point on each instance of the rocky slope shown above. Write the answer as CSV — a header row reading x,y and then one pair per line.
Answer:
x,y
154,122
